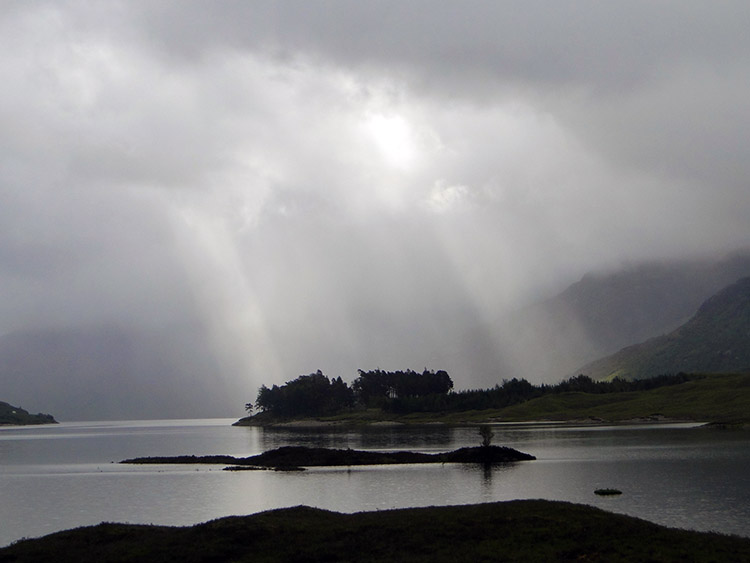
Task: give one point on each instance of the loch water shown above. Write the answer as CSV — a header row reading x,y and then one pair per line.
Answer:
x,y
63,476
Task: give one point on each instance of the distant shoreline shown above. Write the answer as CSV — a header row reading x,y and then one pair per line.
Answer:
x,y
354,422
16,416
722,401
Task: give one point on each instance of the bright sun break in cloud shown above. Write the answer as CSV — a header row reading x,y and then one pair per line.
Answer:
x,y
394,138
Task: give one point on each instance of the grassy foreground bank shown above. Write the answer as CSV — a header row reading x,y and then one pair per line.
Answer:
x,y
721,399
532,530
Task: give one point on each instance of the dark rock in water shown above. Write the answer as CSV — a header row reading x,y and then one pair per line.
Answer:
x,y
486,454
295,457
327,457
607,492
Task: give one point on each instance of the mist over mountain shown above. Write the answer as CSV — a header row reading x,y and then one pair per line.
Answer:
x,y
604,312
715,340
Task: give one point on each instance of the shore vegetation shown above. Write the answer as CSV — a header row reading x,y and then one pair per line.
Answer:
x,y
721,399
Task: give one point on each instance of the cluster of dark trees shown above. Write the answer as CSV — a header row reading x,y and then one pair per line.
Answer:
x,y
315,394
409,391
515,391
377,387
584,384
308,395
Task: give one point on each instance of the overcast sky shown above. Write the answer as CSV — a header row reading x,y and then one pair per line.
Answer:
x,y
337,185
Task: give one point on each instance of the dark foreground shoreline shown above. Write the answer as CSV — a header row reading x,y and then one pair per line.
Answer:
x,y
295,457
524,530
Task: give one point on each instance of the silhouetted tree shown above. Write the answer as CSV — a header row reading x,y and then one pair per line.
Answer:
x,y
308,395
487,434
377,388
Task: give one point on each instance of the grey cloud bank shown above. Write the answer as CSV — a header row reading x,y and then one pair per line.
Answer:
x,y
336,185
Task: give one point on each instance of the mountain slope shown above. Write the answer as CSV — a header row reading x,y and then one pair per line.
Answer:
x,y
716,339
602,313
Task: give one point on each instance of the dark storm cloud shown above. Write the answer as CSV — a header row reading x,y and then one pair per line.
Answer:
x,y
338,185
653,88
561,43
663,82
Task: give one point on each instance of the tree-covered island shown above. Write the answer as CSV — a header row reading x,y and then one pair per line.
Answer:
x,y
317,395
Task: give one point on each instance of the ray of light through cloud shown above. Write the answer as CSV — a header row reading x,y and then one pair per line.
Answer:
x,y
340,186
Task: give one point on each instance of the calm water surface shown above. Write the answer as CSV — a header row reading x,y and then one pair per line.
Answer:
x,y
64,476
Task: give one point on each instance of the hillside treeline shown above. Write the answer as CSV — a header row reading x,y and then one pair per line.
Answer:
x,y
429,391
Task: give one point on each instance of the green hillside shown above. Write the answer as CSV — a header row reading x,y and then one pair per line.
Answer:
x,y
606,311
713,398
16,415
715,340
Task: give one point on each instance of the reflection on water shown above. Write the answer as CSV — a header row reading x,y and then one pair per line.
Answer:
x,y
53,478
426,438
